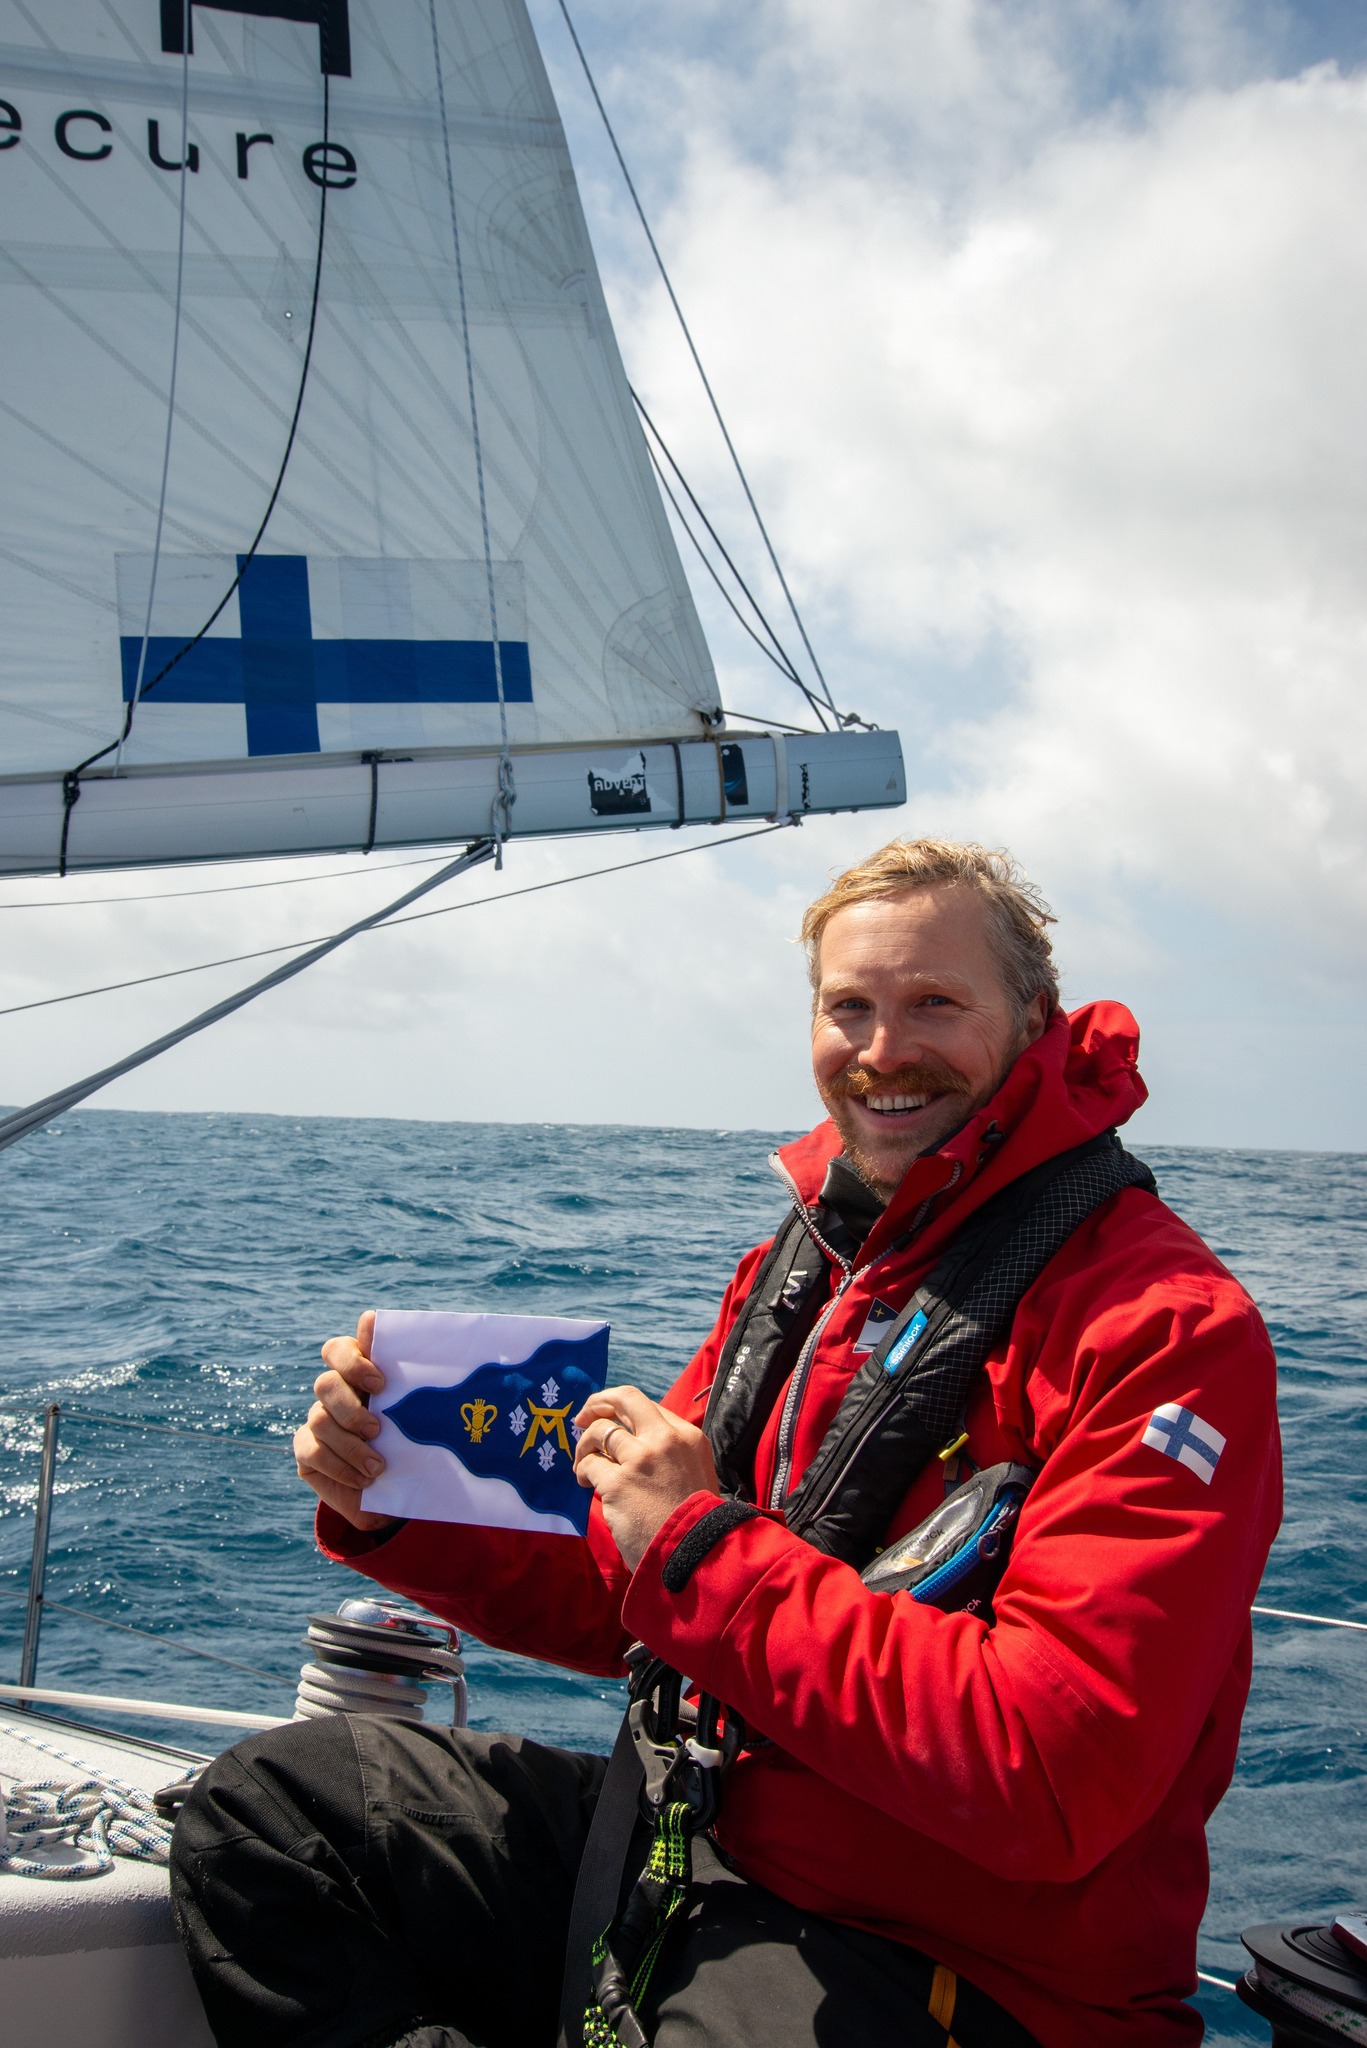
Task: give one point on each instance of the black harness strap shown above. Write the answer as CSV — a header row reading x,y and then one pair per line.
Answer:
x,y
760,1351
600,1879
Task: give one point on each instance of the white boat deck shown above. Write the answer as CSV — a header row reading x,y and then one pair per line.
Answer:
x,y
94,1962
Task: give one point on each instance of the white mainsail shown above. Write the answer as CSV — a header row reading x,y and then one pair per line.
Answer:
x,y
436,586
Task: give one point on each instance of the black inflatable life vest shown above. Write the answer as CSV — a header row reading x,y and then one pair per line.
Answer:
x,y
908,1399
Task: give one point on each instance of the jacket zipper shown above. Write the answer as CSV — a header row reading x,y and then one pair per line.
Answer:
x,y
797,1385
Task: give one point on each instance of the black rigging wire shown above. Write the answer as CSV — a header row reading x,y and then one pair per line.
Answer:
x,y
784,666
241,888
473,903
818,709
730,601
20,1122
166,1642
71,781
779,652
697,362
781,660
780,656
750,717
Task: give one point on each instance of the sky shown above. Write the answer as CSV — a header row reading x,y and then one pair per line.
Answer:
x,y
1039,327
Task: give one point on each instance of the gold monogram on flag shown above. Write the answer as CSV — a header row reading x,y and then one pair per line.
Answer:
x,y
548,1422
479,1418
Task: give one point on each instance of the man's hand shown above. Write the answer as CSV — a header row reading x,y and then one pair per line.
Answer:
x,y
642,1462
333,1449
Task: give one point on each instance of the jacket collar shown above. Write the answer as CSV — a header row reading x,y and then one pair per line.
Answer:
x,y
1078,1079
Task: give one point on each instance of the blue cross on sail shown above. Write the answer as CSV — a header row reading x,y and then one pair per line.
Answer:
x,y
1180,1433
477,1417
299,635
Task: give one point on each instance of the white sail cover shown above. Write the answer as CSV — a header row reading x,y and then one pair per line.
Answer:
x,y
364,623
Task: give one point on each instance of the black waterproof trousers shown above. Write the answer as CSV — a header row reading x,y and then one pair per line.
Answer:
x,y
355,1883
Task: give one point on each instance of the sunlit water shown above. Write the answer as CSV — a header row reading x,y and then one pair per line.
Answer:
x,y
183,1269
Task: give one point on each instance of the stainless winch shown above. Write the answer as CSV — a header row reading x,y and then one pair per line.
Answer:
x,y
378,1657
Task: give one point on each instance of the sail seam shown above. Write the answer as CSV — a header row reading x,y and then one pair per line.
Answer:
x,y
501,816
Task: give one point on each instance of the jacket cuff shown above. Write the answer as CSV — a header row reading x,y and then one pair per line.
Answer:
x,y
698,1570
344,1544
689,1552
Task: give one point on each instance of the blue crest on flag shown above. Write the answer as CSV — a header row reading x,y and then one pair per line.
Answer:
x,y
514,1422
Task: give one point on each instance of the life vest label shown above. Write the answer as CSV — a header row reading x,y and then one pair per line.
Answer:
x,y
877,1323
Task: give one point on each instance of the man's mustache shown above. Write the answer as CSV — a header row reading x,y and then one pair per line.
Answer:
x,y
931,1077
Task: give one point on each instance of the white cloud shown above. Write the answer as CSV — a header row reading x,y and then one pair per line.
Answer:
x,y
1089,410
1110,415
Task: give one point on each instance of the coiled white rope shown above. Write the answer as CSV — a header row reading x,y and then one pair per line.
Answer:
x,y
97,1816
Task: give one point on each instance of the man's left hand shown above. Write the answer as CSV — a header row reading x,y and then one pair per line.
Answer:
x,y
642,1462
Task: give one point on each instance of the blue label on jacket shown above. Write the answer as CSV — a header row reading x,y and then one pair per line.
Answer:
x,y
905,1341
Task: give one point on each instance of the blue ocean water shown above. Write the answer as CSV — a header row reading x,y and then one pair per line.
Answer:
x,y
184,1269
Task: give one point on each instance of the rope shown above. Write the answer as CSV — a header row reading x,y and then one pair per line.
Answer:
x,y
501,814
175,368
788,674
97,1816
750,717
697,362
21,1121
610,2017
71,781
267,952
1320,1620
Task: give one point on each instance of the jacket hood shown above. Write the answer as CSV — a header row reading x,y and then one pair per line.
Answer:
x,y
1079,1078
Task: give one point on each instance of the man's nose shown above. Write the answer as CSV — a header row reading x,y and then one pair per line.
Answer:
x,y
892,1044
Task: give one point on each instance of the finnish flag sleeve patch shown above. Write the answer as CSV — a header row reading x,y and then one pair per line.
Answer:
x,y
1180,1433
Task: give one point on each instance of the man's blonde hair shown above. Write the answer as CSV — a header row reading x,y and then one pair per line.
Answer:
x,y
1018,916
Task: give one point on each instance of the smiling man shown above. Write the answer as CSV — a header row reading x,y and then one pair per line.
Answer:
x,y
923,998
916,1806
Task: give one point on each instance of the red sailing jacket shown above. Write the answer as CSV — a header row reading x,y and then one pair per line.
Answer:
x,y
1023,1802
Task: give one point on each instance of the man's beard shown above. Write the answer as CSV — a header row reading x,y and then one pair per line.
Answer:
x,y
931,1078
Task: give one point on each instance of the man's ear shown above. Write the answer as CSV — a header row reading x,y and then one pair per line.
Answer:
x,y
1036,1018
